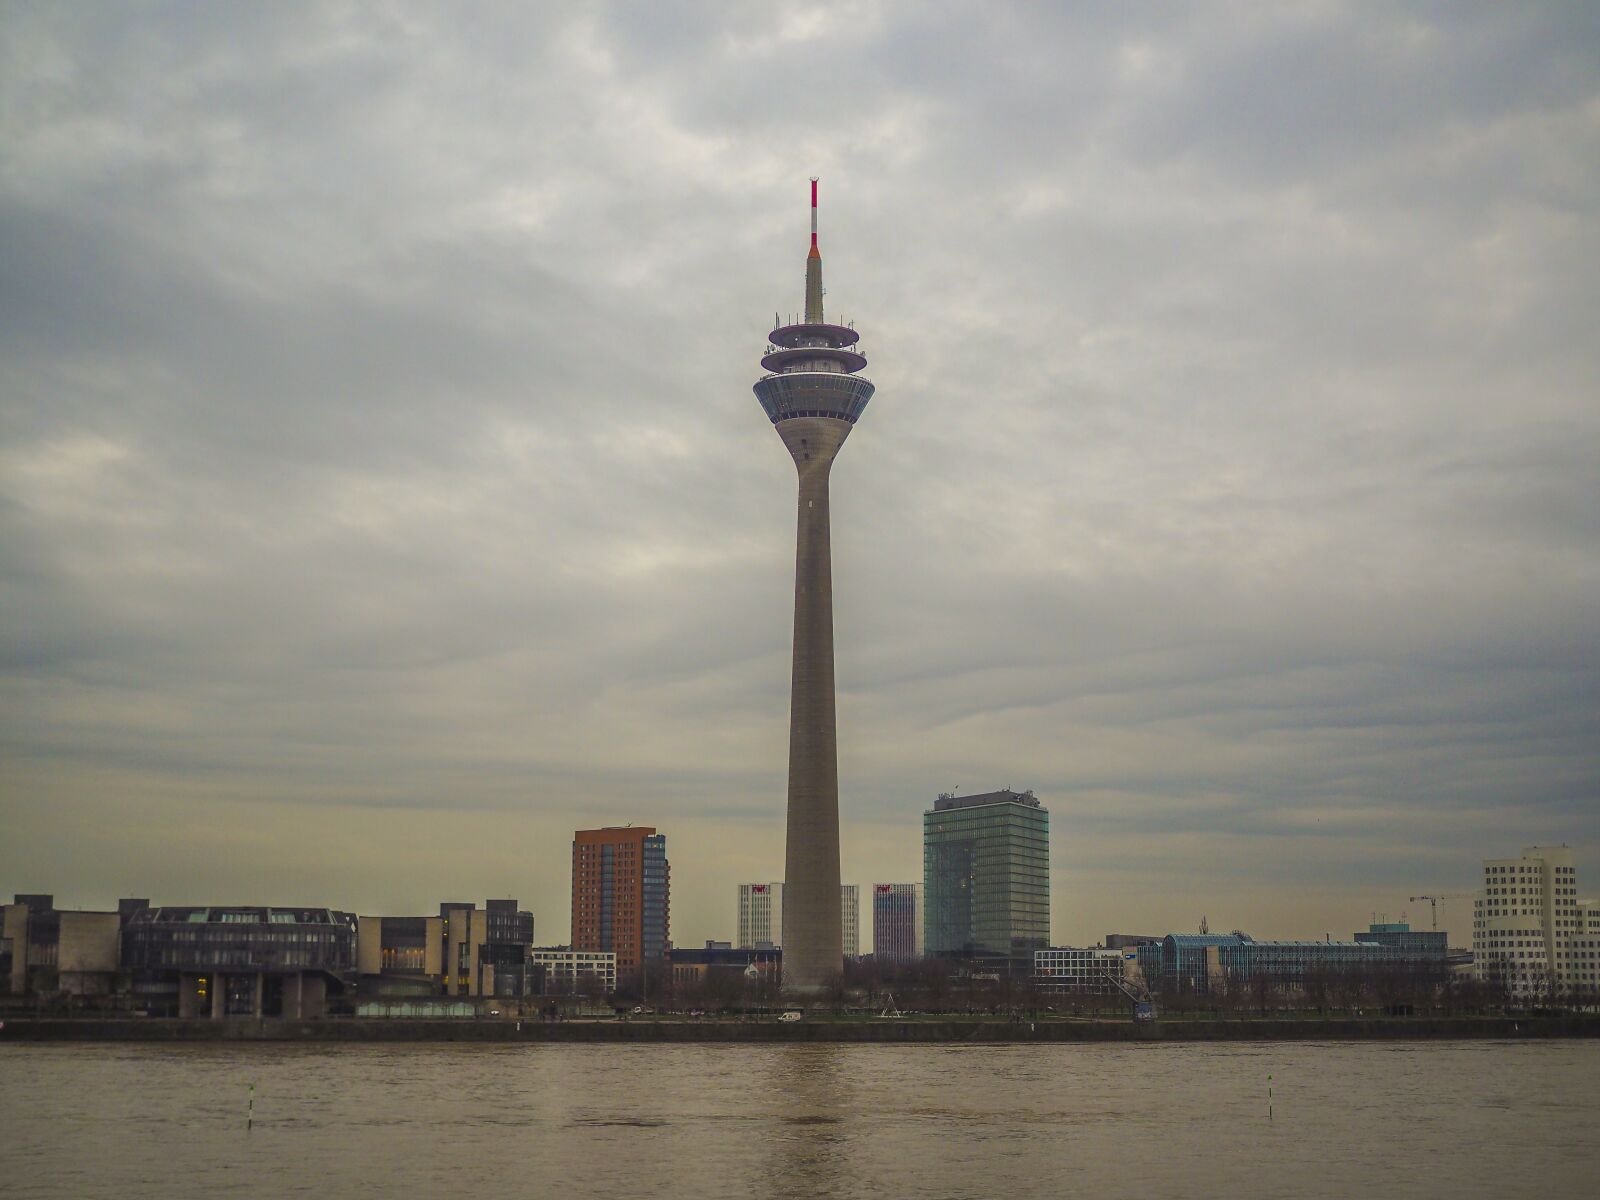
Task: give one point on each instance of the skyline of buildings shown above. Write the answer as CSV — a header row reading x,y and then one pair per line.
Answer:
x,y
1535,938
1539,921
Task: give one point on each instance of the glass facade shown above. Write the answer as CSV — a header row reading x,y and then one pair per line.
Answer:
x,y
814,394
506,923
199,939
654,929
986,876
1187,962
1402,937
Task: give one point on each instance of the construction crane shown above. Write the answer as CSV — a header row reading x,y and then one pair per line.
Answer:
x,y
1433,902
1130,981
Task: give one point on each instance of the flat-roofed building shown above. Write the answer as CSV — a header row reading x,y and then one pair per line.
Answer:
x,y
465,951
568,970
1092,970
760,915
986,877
696,966
1202,963
896,922
46,950
1399,935
621,894
850,918
240,961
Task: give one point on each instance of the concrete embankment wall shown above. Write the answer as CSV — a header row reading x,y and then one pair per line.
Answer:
x,y
811,1030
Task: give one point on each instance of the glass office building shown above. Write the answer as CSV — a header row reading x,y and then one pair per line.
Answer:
x,y
986,877
654,925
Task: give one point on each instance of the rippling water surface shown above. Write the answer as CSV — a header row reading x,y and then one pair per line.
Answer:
x,y
1416,1119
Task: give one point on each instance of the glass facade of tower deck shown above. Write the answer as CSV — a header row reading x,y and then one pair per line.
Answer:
x,y
814,394
986,876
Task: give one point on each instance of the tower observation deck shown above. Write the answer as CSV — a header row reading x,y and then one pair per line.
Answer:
x,y
813,396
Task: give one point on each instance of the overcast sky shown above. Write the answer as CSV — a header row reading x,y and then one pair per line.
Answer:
x,y
382,495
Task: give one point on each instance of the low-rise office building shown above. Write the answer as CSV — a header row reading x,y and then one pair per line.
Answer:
x,y
1206,963
1400,936
465,951
1092,970
691,967
234,961
47,951
567,970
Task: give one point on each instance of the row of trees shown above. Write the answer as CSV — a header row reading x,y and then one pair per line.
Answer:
x,y
937,986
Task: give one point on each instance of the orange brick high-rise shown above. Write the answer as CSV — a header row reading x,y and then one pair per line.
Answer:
x,y
620,894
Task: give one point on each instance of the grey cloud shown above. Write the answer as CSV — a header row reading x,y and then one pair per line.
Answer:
x,y
376,442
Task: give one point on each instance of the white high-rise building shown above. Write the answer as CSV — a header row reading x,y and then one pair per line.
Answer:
x,y
761,916
850,918
1530,932
896,922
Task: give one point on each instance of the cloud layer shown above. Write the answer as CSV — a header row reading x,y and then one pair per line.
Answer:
x,y
382,495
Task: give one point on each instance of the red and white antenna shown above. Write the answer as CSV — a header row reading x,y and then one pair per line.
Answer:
x,y
814,214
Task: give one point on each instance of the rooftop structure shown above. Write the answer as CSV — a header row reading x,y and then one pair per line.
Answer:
x,y
949,800
1400,936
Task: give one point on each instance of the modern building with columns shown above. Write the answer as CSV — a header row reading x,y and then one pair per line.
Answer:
x,y
240,961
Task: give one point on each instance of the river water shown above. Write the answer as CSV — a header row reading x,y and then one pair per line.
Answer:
x,y
1452,1119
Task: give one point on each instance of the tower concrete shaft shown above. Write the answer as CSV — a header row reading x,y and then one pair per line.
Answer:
x,y
813,398
813,944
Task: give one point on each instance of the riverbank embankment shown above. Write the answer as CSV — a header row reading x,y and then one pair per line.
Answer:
x,y
813,1029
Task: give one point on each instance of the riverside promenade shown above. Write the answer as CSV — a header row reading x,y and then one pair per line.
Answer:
x,y
812,1029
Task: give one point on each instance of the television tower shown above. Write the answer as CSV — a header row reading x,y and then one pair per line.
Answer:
x,y
813,397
